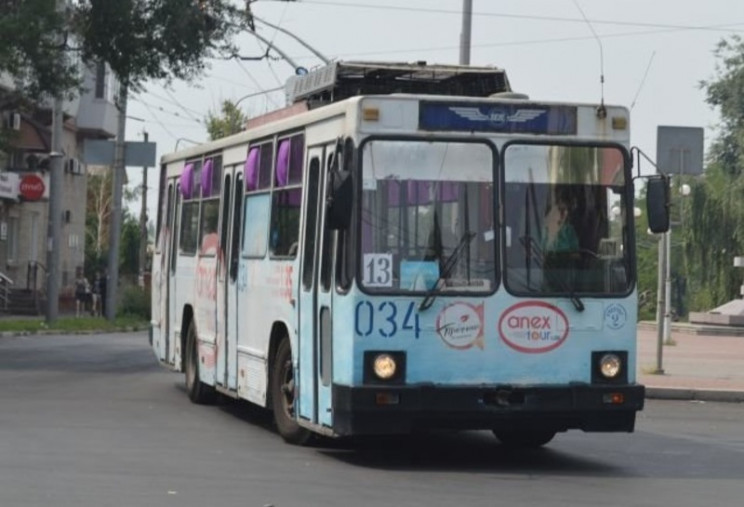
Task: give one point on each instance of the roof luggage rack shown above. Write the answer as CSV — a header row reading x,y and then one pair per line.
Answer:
x,y
341,80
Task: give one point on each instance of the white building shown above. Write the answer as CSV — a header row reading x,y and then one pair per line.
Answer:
x,y
24,180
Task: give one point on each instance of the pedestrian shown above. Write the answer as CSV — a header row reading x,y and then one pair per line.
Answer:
x,y
82,293
102,287
96,307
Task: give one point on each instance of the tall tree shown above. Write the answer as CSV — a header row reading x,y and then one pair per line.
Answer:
x,y
714,213
31,57
231,121
143,40
30,51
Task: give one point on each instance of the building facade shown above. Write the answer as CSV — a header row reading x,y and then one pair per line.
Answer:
x,y
24,179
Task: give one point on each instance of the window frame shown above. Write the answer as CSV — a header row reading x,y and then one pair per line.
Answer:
x,y
628,234
496,206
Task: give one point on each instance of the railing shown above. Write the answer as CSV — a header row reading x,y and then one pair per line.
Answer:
x,y
5,284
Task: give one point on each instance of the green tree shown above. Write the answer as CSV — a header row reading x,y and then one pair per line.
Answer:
x,y
231,121
30,50
155,39
31,55
713,215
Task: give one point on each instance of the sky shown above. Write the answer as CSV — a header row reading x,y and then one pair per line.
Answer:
x,y
653,55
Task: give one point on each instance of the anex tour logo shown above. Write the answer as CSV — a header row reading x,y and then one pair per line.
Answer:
x,y
460,325
533,327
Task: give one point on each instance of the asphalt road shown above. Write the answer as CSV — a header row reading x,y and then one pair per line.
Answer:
x,y
94,421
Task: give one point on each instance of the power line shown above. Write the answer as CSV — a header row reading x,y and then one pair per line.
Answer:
x,y
166,111
514,43
173,100
524,16
255,81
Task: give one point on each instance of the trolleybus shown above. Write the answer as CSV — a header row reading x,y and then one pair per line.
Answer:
x,y
407,246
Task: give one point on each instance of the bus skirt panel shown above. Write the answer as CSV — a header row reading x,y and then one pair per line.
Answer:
x,y
380,410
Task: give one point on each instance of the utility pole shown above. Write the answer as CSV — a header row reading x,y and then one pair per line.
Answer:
x,y
55,198
143,223
112,285
467,24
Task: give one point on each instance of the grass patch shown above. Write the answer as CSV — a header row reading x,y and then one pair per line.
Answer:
x,y
72,324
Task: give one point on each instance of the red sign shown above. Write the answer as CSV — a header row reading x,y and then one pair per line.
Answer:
x,y
32,187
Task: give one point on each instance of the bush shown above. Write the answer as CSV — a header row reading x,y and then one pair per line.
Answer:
x,y
135,302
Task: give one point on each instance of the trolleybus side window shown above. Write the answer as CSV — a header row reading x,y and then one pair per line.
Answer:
x,y
190,190
287,197
257,199
236,227
211,180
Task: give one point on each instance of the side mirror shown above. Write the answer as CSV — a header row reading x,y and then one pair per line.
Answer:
x,y
657,203
341,200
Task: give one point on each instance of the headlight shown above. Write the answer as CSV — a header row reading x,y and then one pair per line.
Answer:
x,y
384,366
610,365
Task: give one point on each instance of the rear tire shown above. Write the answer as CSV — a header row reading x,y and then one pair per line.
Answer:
x,y
198,391
283,397
524,439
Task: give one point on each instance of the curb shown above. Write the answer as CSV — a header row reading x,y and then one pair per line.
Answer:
x,y
59,332
682,394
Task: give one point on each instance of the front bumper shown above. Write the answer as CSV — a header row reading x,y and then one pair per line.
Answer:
x,y
357,411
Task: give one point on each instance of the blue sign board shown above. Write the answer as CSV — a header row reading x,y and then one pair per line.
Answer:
x,y
508,118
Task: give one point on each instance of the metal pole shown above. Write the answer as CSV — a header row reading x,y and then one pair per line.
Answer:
x,y
661,303
55,200
143,223
112,285
467,24
668,288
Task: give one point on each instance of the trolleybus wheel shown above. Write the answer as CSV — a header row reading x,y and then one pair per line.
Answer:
x,y
524,439
198,391
283,398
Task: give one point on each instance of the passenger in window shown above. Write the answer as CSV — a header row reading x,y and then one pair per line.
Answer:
x,y
559,235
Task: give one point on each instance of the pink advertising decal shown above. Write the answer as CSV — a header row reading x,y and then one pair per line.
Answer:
x,y
533,327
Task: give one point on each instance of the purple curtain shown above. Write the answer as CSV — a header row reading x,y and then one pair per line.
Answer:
x,y
251,169
187,181
282,163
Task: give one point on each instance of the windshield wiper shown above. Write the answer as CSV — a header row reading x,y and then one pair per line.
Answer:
x,y
529,243
449,265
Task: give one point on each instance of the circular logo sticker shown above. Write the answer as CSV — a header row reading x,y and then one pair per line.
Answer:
x,y
533,327
615,316
460,326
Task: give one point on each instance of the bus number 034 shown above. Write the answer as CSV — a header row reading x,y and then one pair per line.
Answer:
x,y
386,319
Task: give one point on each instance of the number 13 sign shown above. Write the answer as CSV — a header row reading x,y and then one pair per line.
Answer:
x,y
378,270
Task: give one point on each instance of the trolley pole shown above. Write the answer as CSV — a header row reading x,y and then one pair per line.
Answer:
x,y
467,24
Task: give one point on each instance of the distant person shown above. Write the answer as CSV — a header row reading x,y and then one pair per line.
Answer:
x,y
96,293
103,284
82,294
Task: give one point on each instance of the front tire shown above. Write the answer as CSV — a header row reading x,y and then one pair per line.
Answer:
x,y
524,439
198,391
283,397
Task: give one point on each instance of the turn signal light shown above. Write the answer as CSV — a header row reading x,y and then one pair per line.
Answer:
x,y
613,398
387,398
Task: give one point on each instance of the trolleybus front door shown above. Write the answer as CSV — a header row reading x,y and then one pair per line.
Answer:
x,y
315,296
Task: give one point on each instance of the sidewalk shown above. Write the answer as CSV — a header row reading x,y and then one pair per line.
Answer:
x,y
696,367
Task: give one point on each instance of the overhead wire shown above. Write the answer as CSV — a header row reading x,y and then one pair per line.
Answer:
x,y
512,43
518,16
